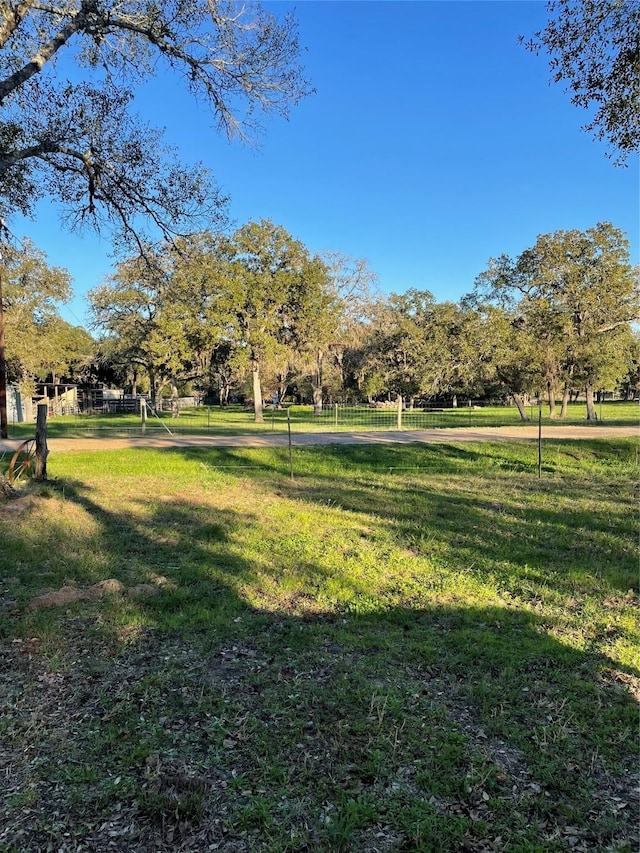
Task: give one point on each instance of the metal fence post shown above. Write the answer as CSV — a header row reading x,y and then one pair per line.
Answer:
x,y
289,435
539,442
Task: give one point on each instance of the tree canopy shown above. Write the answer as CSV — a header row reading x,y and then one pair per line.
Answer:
x,y
575,294
256,310
39,341
68,130
594,49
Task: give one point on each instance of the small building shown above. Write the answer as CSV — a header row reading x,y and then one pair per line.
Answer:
x,y
62,398
19,409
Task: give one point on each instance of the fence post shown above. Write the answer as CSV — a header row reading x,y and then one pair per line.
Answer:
x,y
399,411
336,406
42,451
289,435
143,415
539,441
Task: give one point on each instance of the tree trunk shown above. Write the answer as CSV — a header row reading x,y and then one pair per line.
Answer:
x,y
224,389
339,360
317,399
3,375
566,393
591,409
6,489
257,391
175,406
282,392
518,400
454,402
152,387
316,384
551,396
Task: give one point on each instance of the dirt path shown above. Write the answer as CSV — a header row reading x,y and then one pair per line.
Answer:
x,y
512,433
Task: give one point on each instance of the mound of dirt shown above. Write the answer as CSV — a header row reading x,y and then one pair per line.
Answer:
x,y
68,594
17,506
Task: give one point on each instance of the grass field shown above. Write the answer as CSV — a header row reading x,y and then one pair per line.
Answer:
x,y
409,648
236,420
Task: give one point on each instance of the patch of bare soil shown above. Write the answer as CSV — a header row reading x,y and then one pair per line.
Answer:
x,y
14,507
71,593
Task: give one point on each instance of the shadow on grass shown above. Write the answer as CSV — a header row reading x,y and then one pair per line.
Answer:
x,y
297,727
552,531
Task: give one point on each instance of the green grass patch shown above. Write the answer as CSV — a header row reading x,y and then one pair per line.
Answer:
x,y
413,647
239,420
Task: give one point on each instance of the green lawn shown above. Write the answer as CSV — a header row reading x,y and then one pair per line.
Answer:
x,y
411,648
236,420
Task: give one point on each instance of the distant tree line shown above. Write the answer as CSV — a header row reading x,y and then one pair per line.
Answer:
x,y
255,315
255,311
40,344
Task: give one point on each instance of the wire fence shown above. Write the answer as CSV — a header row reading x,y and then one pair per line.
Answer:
x,y
239,420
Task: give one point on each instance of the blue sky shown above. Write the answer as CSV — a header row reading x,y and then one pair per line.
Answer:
x,y
434,141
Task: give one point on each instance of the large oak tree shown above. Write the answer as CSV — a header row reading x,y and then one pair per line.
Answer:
x,y
594,49
576,293
68,78
68,130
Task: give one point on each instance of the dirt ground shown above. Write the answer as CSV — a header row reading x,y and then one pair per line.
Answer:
x,y
512,433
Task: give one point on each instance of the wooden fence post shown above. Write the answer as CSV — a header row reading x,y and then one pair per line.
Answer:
x,y
41,443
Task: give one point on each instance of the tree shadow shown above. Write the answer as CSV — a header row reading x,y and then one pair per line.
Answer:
x,y
545,531
243,724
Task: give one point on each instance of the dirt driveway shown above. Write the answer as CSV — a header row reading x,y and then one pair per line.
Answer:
x,y
512,433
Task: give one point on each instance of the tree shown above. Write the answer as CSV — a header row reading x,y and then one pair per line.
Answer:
x,y
353,287
631,380
210,304
31,292
416,347
126,308
403,343
510,357
68,130
152,322
274,286
312,330
336,297
594,48
576,292
66,352
29,289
